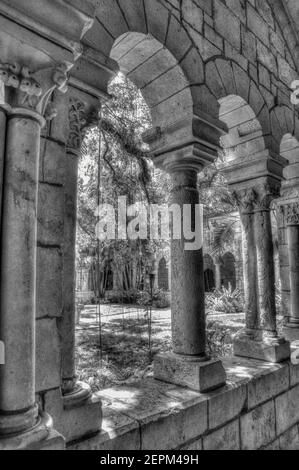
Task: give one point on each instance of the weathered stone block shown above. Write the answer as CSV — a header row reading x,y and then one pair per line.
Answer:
x,y
119,432
192,16
49,283
226,403
168,415
266,57
225,438
267,385
248,44
290,439
50,214
257,25
197,445
199,376
52,162
287,410
258,427
48,356
264,351
77,422
227,24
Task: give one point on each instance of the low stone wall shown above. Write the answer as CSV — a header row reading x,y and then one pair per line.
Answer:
x,y
257,409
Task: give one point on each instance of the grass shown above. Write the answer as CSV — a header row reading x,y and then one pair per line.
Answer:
x,y
124,355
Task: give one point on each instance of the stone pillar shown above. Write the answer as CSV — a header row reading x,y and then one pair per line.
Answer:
x,y
3,112
189,364
291,329
22,425
259,340
19,413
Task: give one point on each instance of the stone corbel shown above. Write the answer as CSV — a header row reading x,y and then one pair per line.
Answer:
x,y
32,90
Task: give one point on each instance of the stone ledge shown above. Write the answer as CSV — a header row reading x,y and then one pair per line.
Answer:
x,y
152,415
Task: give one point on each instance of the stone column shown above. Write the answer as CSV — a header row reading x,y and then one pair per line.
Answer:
x,y
21,424
189,364
18,409
3,112
291,329
260,339
75,393
245,200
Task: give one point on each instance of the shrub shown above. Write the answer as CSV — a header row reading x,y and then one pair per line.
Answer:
x,y
225,300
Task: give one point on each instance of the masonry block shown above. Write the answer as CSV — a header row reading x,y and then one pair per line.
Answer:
x,y
268,385
119,432
227,24
49,283
258,427
225,404
52,162
50,214
287,410
74,423
48,355
225,438
257,25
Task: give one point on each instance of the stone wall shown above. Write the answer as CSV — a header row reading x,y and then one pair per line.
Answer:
x,y
257,409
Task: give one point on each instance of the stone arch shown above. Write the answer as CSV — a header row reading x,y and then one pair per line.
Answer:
x,y
148,42
245,133
289,149
228,271
163,278
283,121
209,273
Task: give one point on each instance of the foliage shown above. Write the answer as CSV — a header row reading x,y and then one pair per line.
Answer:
x,y
225,301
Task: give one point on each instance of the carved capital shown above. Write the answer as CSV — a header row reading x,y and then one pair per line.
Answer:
x,y
292,213
265,194
245,198
25,89
80,119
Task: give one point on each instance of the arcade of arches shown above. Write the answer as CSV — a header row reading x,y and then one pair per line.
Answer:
x,y
217,76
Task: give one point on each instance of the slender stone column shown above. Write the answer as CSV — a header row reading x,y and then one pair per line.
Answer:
x,y
188,307
3,112
291,329
245,200
18,410
67,324
260,339
188,365
265,261
74,393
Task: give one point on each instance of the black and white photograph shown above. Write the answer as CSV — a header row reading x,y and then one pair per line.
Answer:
x,y
149,228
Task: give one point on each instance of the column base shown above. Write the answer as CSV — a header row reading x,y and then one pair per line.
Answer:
x,y
274,350
291,331
41,436
76,414
191,372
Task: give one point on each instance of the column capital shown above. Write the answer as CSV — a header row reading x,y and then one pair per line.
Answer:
x,y
22,88
257,196
191,143
291,211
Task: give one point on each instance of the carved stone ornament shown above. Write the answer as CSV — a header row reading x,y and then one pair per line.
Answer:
x,y
32,90
245,199
265,194
292,213
79,122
